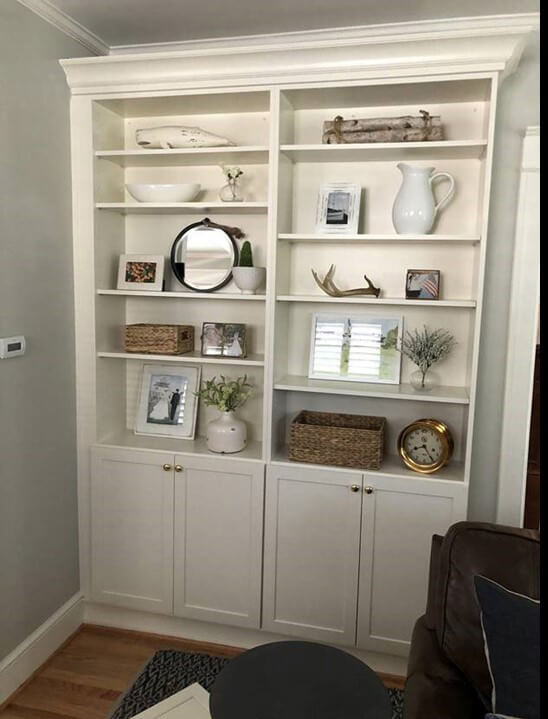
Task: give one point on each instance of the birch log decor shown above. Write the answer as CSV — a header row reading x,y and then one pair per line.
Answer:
x,y
407,128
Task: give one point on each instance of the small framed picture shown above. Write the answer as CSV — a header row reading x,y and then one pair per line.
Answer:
x,y
338,208
422,285
141,272
357,348
224,339
167,403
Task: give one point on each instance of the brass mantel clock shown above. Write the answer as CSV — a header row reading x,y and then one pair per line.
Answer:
x,y
425,445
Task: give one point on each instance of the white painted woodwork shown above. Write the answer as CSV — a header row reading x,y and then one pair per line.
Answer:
x,y
271,100
218,540
523,336
132,529
399,519
311,554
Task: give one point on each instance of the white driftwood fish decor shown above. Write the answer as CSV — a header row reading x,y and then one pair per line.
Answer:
x,y
178,136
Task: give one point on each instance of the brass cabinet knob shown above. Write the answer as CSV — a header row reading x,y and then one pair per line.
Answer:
x,y
368,490
178,468
355,488
167,468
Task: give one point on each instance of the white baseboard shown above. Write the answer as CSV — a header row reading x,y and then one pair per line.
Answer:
x,y
25,659
118,618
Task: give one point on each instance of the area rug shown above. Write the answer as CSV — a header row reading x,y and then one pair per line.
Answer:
x,y
169,671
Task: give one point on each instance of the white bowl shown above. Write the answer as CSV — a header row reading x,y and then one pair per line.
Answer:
x,y
163,193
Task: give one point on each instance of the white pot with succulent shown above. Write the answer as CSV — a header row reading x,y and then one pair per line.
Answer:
x,y
247,277
227,434
426,348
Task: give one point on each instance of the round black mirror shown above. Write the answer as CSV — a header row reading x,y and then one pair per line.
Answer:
x,y
203,255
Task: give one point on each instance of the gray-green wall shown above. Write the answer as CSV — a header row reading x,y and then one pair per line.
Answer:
x,y
38,510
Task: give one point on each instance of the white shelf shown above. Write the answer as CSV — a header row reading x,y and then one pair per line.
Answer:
x,y
380,151
248,155
398,301
196,447
381,239
183,295
170,208
392,466
252,360
300,383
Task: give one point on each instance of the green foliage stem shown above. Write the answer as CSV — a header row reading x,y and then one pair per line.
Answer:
x,y
426,347
225,394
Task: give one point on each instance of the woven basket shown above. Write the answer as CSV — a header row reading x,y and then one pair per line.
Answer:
x,y
159,339
346,440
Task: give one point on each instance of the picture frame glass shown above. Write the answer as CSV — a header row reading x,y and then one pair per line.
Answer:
x,y
167,402
422,285
356,348
338,208
224,339
141,272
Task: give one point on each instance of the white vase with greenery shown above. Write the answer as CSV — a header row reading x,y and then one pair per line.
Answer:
x,y
227,434
426,348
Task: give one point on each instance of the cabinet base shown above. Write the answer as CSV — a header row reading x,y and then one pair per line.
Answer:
x,y
180,628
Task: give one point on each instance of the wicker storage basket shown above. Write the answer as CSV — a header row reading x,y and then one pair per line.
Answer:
x,y
346,440
159,339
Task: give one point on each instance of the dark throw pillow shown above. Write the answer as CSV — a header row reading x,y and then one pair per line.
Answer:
x,y
511,634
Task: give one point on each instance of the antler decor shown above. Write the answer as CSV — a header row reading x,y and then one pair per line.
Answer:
x,y
330,288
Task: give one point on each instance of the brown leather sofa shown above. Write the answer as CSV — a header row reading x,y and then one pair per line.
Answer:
x,y
448,676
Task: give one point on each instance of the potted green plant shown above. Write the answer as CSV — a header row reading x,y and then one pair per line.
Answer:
x,y
425,348
227,434
246,276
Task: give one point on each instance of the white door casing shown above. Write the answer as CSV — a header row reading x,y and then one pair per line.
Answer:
x,y
218,540
522,339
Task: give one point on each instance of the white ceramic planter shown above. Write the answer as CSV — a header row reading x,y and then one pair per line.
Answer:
x,y
249,279
227,434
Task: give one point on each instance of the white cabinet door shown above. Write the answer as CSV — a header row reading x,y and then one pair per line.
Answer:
x,y
311,557
399,518
132,529
218,540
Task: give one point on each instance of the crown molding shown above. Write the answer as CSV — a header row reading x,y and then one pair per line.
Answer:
x,y
487,45
68,26
420,29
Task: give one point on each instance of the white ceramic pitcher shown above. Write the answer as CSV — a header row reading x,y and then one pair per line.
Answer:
x,y
415,208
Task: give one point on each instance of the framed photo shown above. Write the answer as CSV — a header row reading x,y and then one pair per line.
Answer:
x,y
167,403
422,285
141,272
224,339
356,348
338,208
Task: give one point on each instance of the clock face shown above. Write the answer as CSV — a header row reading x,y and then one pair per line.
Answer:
x,y
423,445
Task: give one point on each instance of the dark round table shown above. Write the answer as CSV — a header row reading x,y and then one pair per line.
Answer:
x,y
298,680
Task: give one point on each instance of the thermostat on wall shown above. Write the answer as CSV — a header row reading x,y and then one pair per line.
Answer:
x,y
12,346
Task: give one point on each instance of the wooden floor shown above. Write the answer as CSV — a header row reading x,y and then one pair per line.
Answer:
x,y
86,676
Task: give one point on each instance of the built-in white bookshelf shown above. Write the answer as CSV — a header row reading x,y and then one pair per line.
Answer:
x,y
253,539
278,131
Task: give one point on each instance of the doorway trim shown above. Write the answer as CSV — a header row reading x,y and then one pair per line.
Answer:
x,y
522,339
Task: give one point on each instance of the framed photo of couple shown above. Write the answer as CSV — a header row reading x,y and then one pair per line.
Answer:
x,y
167,402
